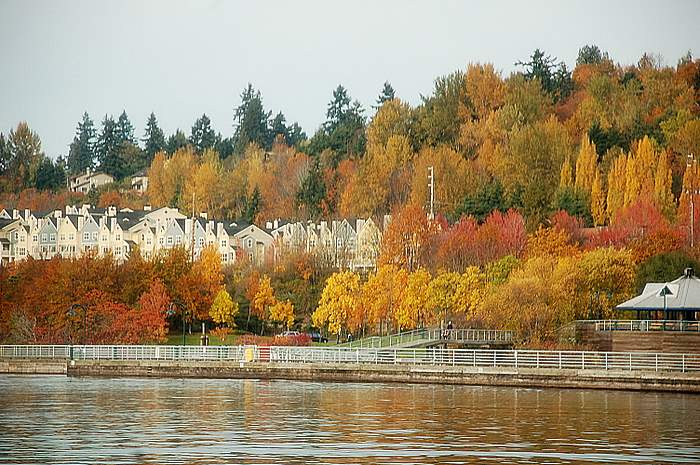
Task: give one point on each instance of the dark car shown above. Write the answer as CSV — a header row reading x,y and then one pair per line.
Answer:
x,y
316,337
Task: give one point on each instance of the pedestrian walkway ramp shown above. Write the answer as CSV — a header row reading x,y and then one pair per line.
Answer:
x,y
432,337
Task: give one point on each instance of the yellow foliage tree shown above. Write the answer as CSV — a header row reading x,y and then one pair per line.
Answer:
x,y
608,276
484,88
414,311
586,165
382,294
262,301
550,242
339,300
598,200
566,176
283,312
662,186
617,185
224,309
470,290
442,295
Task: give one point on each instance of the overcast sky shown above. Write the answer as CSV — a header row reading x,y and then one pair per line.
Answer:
x,y
181,59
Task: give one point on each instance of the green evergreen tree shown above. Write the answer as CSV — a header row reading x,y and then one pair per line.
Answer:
x,y
251,121
312,192
387,94
253,206
591,55
203,136
278,126
50,175
81,155
176,141
154,139
108,144
125,130
343,132
488,198
554,77
4,155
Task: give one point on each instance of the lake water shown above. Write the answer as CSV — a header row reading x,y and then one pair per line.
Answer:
x,y
54,419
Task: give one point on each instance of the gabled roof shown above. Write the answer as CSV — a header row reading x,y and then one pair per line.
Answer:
x,y
681,294
5,222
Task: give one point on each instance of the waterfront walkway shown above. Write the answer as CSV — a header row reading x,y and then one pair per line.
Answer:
x,y
432,337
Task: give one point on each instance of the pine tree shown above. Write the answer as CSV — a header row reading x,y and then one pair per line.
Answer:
x,y
387,94
253,206
598,200
203,136
153,139
176,141
124,130
312,192
251,121
81,155
107,147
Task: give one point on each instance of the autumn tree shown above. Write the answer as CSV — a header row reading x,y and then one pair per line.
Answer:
x,y
224,309
414,311
263,300
340,298
382,295
283,312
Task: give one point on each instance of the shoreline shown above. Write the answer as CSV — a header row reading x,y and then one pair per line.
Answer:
x,y
347,372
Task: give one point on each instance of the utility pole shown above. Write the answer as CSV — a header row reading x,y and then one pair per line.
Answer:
x,y
431,177
192,229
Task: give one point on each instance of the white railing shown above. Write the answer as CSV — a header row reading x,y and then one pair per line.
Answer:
x,y
646,325
496,359
475,336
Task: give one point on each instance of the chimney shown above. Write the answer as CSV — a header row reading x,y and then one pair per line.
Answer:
x,y
147,208
81,220
204,215
112,224
276,224
102,221
57,213
268,225
688,272
15,214
26,214
219,229
111,210
360,223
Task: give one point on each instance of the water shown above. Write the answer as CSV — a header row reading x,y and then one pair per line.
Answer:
x,y
54,419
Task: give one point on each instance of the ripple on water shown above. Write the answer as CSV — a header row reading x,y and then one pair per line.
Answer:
x,y
162,421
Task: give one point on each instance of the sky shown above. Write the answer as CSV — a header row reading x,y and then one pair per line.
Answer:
x,y
180,59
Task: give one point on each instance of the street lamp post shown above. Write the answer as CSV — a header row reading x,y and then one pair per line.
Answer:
x,y
83,310
185,313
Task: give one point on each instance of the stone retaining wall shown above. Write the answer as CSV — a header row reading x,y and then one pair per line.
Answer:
x,y
32,367
588,379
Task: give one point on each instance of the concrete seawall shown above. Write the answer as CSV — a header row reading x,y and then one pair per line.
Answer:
x,y
32,367
582,379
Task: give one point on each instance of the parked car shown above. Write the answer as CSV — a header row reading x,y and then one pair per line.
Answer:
x,y
289,334
317,337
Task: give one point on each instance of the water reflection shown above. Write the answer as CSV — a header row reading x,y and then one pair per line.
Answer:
x,y
132,421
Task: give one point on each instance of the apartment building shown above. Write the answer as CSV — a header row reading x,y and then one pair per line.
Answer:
x,y
77,230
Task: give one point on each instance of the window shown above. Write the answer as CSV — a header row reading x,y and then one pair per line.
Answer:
x,y
104,238
71,237
250,243
16,235
160,241
35,237
148,241
105,250
170,240
200,242
22,251
119,237
223,243
178,239
63,237
94,236
86,236
52,237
